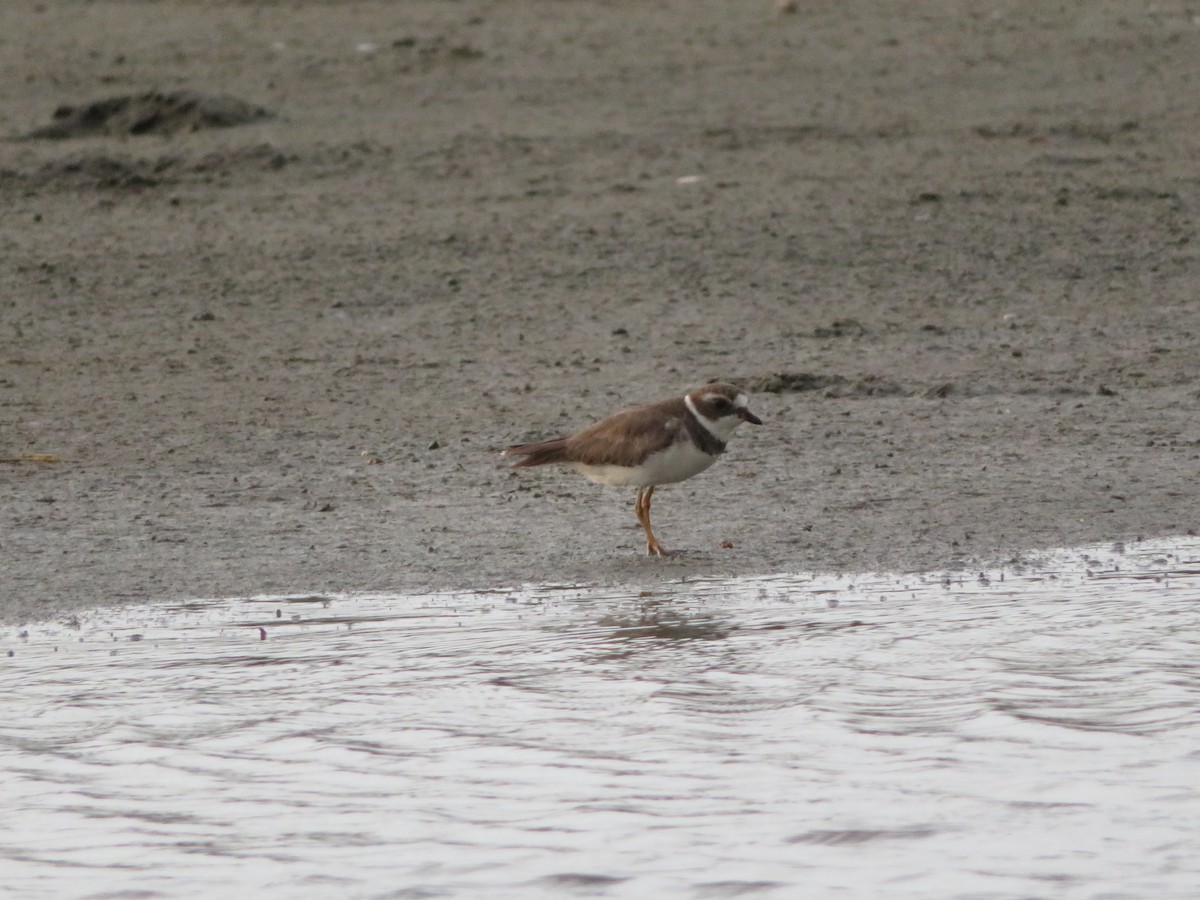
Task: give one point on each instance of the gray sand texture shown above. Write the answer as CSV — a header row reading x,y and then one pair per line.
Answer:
x,y
951,245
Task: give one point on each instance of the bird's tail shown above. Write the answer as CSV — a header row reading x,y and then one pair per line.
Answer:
x,y
539,453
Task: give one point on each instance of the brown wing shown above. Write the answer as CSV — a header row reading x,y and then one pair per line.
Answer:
x,y
627,438
539,453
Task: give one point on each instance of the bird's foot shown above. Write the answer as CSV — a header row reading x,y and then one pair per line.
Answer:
x,y
654,548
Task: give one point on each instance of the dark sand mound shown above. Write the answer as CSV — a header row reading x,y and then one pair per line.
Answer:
x,y
152,113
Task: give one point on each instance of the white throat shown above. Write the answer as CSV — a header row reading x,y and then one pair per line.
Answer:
x,y
721,429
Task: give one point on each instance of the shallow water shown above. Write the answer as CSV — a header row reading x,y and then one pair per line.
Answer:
x,y
1031,732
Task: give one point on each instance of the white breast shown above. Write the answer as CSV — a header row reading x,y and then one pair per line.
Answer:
x,y
680,461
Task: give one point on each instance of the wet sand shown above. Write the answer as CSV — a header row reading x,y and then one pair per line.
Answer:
x,y
283,357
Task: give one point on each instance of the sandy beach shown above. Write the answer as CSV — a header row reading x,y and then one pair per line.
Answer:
x,y
952,247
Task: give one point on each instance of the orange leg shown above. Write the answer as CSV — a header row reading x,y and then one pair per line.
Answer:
x,y
641,508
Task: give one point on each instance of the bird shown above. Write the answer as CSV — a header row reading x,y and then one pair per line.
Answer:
x,y
649,445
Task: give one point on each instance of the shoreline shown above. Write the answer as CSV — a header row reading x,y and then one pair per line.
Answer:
x,y
284,356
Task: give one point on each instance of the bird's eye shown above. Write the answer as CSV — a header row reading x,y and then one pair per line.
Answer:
x,y
720,403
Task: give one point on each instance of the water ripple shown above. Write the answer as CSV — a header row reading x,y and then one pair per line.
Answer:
x,y
1004,733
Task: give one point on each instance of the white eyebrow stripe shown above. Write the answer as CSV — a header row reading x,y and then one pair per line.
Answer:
x,y
707,423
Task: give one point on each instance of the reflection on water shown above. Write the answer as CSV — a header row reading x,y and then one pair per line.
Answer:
x,y
1027,732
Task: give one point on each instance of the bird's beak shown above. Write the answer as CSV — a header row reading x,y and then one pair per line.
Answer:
x,y
746,416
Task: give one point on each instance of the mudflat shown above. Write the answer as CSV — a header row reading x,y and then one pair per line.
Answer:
x,y
280,280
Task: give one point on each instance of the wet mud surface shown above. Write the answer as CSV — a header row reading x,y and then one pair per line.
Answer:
x,y
954,250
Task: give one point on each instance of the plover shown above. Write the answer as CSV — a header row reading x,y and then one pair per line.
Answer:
x,y
643,447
